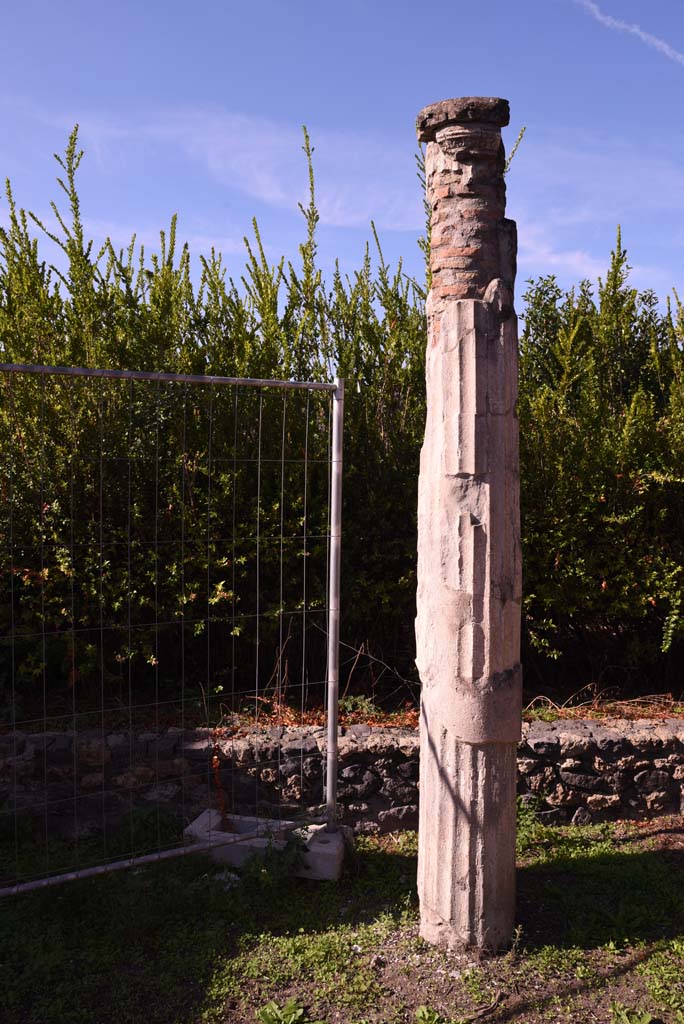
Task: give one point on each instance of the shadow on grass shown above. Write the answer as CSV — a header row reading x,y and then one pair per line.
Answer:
x,y
629,903
157,944
520,1008
149,944
27,854
614,897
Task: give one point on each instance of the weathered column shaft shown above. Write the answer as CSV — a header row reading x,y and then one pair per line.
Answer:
x,y
469,578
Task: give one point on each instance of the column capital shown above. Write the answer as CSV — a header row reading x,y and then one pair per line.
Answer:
x,y
463,110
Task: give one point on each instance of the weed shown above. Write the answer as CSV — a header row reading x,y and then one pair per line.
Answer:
x,y
540,712
474,982
551,961
546,843
272,868
358,706
290,1013
664,973
23,856
424,1015
621,1014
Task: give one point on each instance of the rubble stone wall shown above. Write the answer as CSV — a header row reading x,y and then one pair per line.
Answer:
x,y
571,771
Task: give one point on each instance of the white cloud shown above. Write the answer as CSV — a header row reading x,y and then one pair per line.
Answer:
x,y
539,252
264,159
569,199
199,241
203,242
120,234
543,250
599,178
618,25
567,196
252,155
661,281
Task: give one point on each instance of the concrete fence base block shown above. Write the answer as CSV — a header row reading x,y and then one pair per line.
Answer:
x,y
322,851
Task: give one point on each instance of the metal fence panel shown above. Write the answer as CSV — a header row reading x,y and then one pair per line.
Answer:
x,y
169,599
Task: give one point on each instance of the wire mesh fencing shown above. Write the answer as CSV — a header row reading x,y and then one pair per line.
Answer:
x,y
169,603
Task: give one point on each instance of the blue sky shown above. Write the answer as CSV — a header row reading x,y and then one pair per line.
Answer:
x,y
198,110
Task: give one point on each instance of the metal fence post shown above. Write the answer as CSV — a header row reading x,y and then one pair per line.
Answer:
x,y
334,602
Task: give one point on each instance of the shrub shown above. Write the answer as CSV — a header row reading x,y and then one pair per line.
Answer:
x,y
602,487
602,444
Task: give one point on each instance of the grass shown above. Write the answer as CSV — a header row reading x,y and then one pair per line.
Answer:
x,y
25,855
600,938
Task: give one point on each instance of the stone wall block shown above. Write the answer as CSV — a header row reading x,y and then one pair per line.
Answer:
x,y
652,781
60,750
583,781
595,776
91,780
197,748
93,751
312,768
164,746
562,796
119,741
617,781
603,801
668,763
12,743
610,743
542,781
408,770
542,740
172,768
405,817
659,801
359,729
398,792
573,740
300,745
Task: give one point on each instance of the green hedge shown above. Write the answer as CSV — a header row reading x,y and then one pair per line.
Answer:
x,y
602,436
119,309
602,470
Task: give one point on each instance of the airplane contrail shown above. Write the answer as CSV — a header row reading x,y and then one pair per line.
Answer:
x,y
635,30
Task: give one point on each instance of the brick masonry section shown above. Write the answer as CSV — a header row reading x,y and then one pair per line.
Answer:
x,y
579,771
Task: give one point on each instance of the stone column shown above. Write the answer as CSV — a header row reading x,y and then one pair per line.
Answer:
x,y
469,579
